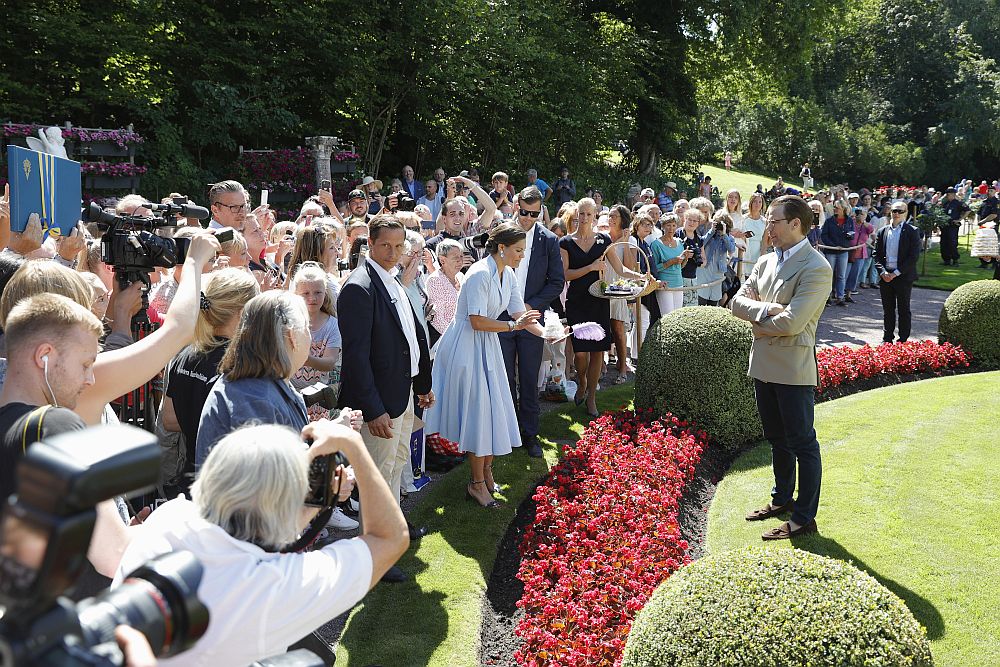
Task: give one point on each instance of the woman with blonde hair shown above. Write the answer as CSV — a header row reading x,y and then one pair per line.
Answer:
x,y
190,375
583,257
734,207
707,209
320,243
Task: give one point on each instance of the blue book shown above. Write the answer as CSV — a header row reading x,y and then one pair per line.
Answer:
x,y
43,184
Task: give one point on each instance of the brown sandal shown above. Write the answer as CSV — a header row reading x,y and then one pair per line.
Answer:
x,y
785,532
767,512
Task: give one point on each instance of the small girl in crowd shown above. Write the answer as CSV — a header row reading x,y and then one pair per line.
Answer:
x,y
323,364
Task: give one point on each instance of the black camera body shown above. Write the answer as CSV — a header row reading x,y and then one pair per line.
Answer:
x,y
321,471
129,245
404,202
46,533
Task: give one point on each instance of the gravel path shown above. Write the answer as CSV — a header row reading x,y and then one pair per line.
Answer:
x,y
861,322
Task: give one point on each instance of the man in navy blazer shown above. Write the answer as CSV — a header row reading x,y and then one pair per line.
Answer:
x,y
412,186
385,354
540,278
897,249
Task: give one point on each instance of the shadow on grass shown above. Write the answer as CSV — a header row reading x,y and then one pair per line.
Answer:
x,y
757,455
922,609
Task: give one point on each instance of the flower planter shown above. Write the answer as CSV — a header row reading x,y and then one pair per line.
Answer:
x,y
101,149
279,197
101,182
343,167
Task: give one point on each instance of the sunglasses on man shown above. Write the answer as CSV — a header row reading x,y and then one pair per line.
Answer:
x,y
529,214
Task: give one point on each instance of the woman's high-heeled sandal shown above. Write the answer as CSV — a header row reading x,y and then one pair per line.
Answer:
x,y
491,505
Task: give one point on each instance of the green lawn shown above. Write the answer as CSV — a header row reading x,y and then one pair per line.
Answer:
x,y
947,278
910,494
745,181
435,619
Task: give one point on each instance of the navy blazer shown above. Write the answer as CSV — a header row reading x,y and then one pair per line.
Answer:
x,y
375,371
545,278
909,252
416,190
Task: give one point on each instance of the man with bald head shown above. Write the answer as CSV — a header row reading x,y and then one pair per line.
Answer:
x,y
412,186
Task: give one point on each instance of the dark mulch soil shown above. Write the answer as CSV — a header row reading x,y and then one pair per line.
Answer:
x,y
885,380
500,613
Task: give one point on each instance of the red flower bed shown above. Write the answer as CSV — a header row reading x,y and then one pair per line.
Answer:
x,y
841,364
604,536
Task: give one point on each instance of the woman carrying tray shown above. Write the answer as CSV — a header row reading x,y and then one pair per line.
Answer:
x,y
583,255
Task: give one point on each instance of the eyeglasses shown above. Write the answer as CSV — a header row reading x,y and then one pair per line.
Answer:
x,y
529,214
235,208
771,221
899,211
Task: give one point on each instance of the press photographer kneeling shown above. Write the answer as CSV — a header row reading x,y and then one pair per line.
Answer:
x,y
246,507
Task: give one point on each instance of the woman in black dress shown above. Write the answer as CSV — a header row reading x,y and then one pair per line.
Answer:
x,y
583,263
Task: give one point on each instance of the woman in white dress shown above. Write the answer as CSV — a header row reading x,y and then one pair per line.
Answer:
x,y
474,406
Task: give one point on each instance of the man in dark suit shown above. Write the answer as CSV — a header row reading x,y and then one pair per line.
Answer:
x,y
897,248
540,278
412,186
385,356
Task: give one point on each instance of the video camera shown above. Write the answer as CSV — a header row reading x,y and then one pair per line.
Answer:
x,y
129,245
46,531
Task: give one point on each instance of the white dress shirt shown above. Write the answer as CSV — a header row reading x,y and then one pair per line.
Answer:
x,y
405,311
259,602
522,268
784,256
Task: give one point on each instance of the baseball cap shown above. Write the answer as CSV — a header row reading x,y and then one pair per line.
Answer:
x,y
854,195
950,191
355,194
647,192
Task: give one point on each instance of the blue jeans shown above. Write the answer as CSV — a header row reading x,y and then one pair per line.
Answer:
x,y
864,273
853,274
786,412
838,262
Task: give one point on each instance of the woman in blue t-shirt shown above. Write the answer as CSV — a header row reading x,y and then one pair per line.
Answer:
x,y
669,255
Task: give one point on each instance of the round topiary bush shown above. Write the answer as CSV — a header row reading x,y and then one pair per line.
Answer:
x,y
971,318
693,364
761,606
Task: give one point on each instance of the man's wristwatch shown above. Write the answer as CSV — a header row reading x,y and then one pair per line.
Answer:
x,y
512,324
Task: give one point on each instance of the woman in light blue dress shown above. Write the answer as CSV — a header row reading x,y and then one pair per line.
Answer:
x,y
474,407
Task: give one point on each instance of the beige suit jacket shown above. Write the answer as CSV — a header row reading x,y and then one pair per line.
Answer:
x,y
784,346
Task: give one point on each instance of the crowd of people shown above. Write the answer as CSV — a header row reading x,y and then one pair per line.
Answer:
x,y
423,314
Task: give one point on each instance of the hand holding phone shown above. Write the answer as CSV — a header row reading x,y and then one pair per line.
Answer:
x,y
263,197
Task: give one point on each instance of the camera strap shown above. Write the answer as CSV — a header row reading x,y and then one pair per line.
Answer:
x,y
311,532
38,414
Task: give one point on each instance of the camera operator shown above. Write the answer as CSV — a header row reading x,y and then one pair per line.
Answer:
x,y
455,213
246,505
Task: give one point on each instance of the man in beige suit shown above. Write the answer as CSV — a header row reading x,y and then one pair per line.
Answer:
x,y
783,299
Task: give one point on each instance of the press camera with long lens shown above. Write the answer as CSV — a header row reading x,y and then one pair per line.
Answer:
x,y
129,245
46,531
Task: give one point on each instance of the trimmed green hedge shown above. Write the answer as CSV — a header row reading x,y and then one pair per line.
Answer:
x,y
971,318
693,364
765,606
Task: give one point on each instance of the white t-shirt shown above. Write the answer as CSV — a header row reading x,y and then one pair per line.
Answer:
x,y
259,602
522,269
752,253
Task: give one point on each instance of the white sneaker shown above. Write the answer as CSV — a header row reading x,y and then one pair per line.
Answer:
x,y
340,521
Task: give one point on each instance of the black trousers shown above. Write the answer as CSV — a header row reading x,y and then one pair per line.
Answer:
x,y
786,411
895,299
949,243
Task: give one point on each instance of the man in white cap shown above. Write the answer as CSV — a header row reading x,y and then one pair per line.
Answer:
x,y
647,196
665,200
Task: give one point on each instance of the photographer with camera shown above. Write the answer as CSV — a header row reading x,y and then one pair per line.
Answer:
x,y
456,218
246,509
693,255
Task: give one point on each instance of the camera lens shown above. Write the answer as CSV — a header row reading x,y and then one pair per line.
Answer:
x,y
160,600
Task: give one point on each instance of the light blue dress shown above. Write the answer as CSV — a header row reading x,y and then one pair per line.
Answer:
x,y
474,407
